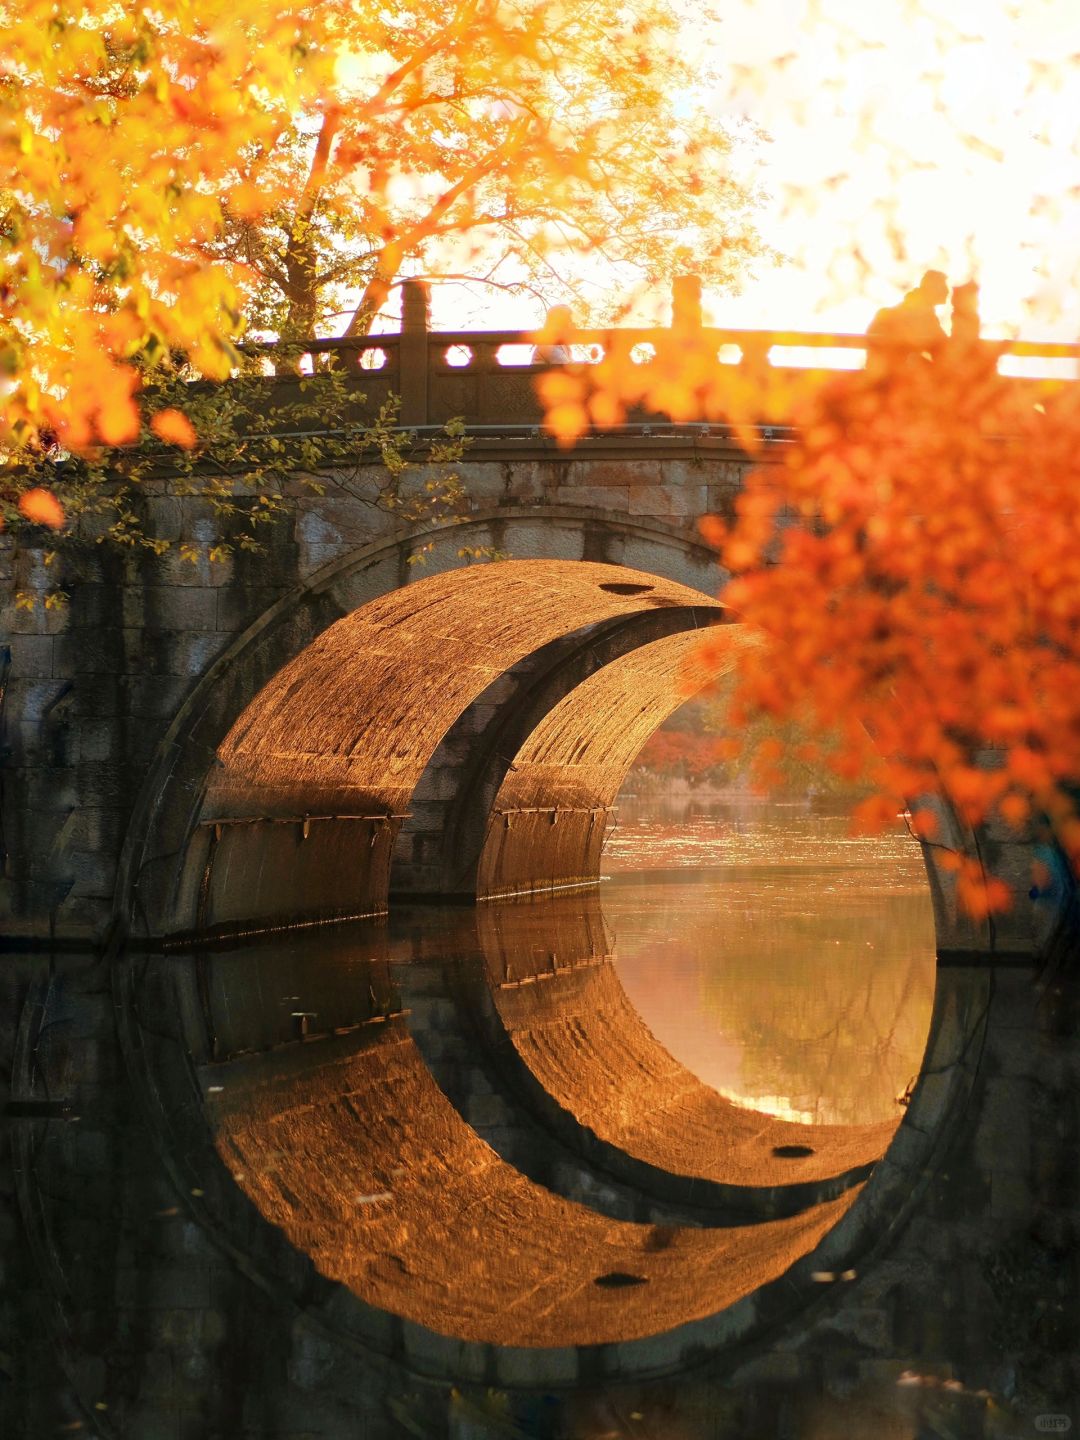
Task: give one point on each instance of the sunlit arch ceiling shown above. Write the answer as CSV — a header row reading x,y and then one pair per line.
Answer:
x,y
548,822
314,777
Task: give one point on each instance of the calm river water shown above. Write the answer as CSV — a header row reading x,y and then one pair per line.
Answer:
x,y
787,962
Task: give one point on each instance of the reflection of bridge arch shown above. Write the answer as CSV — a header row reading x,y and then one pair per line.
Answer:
x,y
393,1225
347,1145
576,1047
518,1010
978,1179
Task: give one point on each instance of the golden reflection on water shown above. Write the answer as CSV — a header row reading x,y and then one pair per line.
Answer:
x,y
768,950
786,962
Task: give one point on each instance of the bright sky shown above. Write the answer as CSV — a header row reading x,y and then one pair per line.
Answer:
x,y
908,135
905,134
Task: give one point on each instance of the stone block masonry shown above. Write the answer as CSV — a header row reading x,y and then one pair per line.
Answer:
x,y
92,689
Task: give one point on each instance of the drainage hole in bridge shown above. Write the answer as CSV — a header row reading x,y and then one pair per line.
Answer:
x,y
619,1279
619,587
792,1152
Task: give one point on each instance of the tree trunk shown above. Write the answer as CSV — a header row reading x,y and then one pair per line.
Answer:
x,y
375,292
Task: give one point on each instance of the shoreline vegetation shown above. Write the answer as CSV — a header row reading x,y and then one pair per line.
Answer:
x,y
695,757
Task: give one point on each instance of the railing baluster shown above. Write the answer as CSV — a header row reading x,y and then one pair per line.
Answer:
x,y
413,353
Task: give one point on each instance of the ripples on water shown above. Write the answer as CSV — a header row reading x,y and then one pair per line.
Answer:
x,y
787,962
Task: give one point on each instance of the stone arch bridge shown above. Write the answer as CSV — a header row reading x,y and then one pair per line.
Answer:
x,y
98,699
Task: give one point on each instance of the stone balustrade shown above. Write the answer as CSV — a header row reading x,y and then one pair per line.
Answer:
x,y
487,377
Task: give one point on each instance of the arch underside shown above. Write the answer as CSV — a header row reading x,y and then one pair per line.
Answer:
x,y
313,781
548,823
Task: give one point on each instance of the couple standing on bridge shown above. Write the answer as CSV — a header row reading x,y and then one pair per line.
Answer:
x,y
910,326
914,325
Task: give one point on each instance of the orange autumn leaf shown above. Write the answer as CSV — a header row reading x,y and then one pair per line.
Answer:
x,y
118,421
567,422
874,814
1069,834
174,427
982,895
1014,809
41,507
740,554
606,410
713,530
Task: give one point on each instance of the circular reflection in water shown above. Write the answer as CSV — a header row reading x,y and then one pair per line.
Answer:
x,y
310,1106
786,962
320,1098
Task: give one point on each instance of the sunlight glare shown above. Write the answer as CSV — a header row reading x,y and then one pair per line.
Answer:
x,y
907,136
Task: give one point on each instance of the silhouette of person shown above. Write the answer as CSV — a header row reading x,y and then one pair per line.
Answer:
x,y
965,314
913,325
556,349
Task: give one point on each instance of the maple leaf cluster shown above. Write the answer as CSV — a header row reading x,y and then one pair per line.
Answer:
x,y
912,563
121,129
911,559
680,752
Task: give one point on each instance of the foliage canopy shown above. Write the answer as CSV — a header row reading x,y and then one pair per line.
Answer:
x,y
168,175
499,142
911,564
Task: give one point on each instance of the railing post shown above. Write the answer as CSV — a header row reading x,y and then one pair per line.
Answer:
x,y
482,366
413,353
686,303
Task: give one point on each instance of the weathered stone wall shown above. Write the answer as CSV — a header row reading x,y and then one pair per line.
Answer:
x,y
92,689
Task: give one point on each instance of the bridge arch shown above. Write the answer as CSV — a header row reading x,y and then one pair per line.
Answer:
x,y
192,794
317,774
442,846
161,886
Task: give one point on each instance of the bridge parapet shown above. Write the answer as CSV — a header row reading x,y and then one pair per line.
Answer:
x,y
488,377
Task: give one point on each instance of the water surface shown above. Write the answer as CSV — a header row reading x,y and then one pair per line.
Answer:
x,y
787,962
